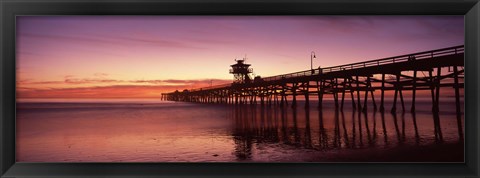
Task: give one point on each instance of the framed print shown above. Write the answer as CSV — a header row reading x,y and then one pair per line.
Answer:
x,y
310,88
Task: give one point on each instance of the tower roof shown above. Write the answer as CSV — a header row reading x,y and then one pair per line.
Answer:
x,y
240,63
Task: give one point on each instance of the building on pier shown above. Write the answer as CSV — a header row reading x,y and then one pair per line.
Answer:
x,y
241,72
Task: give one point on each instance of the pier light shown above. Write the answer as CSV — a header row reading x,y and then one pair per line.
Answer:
x,y
312,56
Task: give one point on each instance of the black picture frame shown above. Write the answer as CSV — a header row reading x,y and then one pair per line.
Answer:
x,y
11,8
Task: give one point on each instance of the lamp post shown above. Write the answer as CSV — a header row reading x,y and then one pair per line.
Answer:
x,y
312,56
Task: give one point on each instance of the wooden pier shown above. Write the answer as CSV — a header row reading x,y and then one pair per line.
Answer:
x,y
428,70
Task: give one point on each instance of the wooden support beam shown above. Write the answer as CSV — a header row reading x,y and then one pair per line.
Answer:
x,y
286,100
343,91
394,107
401,98
414,85
351,92
252,96
282,95
373,96
275,99
432,89
437,99
262,96
354,130
334,91
306,87
366,95
236,98
358,93
457,103
270,98
320,93
294,93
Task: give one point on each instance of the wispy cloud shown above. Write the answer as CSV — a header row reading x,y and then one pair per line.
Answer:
x,y
101,86
101,74
211,41
102,78
113,91
65,37
113,40
159,42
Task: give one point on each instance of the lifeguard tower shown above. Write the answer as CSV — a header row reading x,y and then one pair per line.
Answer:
x,y
241,72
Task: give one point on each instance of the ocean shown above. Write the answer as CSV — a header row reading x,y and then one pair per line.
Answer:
x,y
165,131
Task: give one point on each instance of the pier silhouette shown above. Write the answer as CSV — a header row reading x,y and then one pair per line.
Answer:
x,y
342,81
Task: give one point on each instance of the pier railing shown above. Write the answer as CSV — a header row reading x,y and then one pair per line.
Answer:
x,y
212,87
376,62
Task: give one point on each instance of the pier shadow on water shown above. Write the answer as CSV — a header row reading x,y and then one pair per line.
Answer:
x,y
349,135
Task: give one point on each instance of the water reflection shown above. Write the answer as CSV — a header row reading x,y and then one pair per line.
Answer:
x,y
178,132
385,137
438,128
417,136
323,137
332,129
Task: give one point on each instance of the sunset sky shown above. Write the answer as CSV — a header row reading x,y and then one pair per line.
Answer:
x,y
143,56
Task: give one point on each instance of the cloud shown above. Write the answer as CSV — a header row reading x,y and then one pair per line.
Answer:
x,y
100,86
68,38
70,79
114,91
148,81
212,41
112,40
197,82
43,82
90,81
100,75
102,78
158,42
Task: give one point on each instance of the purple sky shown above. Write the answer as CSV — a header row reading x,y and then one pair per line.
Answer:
x,y
109,51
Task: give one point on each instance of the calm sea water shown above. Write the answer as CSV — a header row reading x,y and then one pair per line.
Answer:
x,y
161,131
